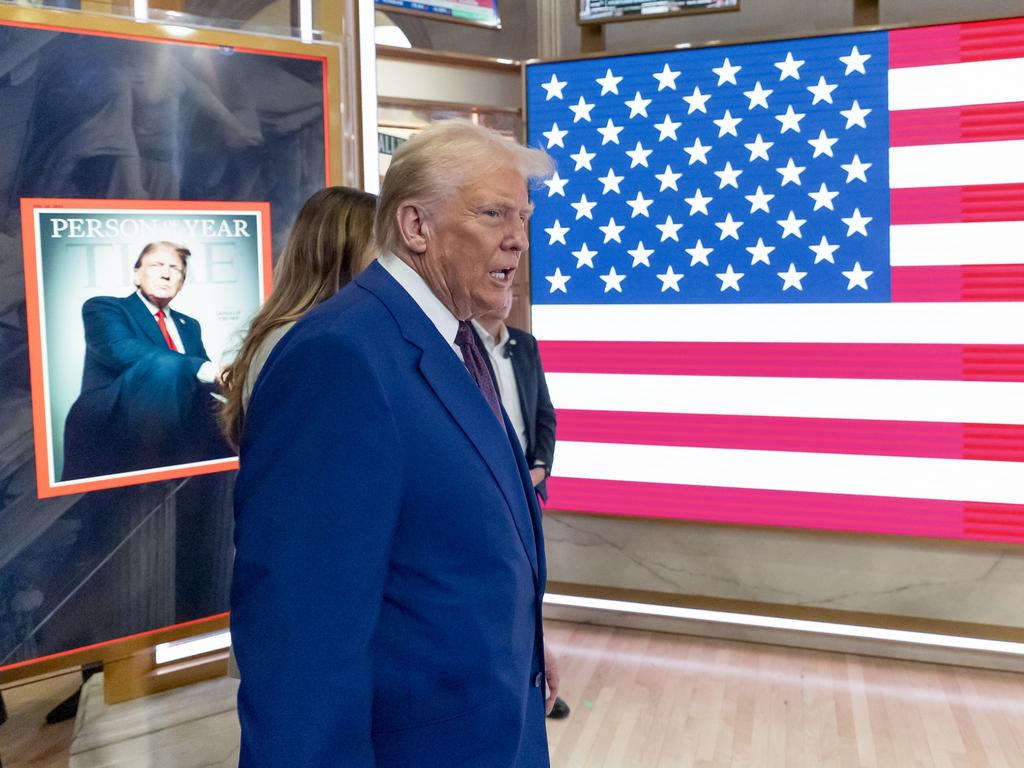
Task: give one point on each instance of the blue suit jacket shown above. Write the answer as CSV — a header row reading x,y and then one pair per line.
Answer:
x,y
386,602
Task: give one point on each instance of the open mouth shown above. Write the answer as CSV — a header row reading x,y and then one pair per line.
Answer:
x,y
503,275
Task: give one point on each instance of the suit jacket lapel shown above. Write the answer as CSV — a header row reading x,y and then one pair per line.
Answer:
x,y
139,312
455,388
520,365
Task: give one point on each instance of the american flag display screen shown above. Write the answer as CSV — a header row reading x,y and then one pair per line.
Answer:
x,y
781,283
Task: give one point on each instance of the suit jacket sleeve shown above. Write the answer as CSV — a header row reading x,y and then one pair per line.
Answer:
x,y
544,441
317,504
115,342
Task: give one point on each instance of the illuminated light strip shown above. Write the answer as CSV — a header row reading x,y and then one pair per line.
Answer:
x,y
926,323
994,242
140,9
944,165
368,89
306,20
993,482
969,402
193,646
794,625
952,85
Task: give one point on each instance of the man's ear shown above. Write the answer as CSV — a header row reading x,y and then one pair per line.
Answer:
x,y
412,227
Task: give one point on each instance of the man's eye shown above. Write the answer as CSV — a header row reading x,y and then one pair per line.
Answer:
x,y
492,213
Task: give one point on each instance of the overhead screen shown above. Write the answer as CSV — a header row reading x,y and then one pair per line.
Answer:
x,y
781,283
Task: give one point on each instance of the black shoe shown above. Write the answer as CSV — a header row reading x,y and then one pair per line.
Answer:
x,y
560,711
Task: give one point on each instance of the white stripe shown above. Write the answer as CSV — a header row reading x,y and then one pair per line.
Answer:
x,y
985,402
898,476
954,85
948,165
920,245
925,323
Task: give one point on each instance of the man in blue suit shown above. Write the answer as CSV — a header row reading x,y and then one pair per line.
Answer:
x,y
147,380
389,574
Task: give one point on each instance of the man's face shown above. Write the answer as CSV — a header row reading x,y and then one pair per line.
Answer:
x,y
474,243
160,275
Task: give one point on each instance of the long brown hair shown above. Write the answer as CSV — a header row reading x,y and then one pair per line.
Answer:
x,y
330,243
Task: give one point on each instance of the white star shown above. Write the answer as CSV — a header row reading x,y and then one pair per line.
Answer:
x,y
791,173
857,223
697,101
666,78
726,73
612,231
759,96
556,185
823,198
855,61
638,105
729,227
791,225
639,204
557,233
555,136
791,278
669,230
698,202
612,281
558,280
790,120
855,115
553,87
638,155
760,252
609,83
823,251
669,279
855,169
583,208
698,152
584,256
581,110
641,255
610,181
610,133
790,67
823,144
728,176
583,158
668,179
727,124
699,254
730,278
822,91
759,200
667,128
759,148
857,277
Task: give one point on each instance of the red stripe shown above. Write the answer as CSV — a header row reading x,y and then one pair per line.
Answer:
x,y
993,442
824,511
950,125
955,205
985,282
955,43
934,362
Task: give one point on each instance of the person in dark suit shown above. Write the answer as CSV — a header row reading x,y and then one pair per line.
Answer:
x,y
147,379
389,569
513,362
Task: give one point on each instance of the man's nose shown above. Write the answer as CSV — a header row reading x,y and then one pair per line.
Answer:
x,y
518,239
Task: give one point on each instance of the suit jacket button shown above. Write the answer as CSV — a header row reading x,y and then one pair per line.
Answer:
x,y
538,680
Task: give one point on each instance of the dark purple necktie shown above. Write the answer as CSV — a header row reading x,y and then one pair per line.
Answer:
x,y
476,366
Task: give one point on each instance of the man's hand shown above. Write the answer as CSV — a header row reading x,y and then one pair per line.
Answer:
x,y
537,475
551,677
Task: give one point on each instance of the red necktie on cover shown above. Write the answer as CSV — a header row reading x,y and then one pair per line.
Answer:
x,y
477,367
163,329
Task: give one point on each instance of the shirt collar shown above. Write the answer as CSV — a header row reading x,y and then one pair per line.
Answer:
x,y
492,344
153,308
407,277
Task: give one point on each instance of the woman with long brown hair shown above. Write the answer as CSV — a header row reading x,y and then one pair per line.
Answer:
x,y
330,243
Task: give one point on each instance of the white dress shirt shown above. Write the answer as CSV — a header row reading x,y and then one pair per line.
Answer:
x,y
438,314
497,351
207,371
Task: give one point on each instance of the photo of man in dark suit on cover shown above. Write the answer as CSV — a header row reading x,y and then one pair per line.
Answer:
x,y
147,384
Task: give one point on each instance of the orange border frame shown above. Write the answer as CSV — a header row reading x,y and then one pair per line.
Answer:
x,y
29,205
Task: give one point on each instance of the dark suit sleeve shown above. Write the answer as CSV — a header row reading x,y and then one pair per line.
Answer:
x,y
115,343
317,504
544,442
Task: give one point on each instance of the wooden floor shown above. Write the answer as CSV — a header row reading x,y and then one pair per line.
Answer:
x,y
649,700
